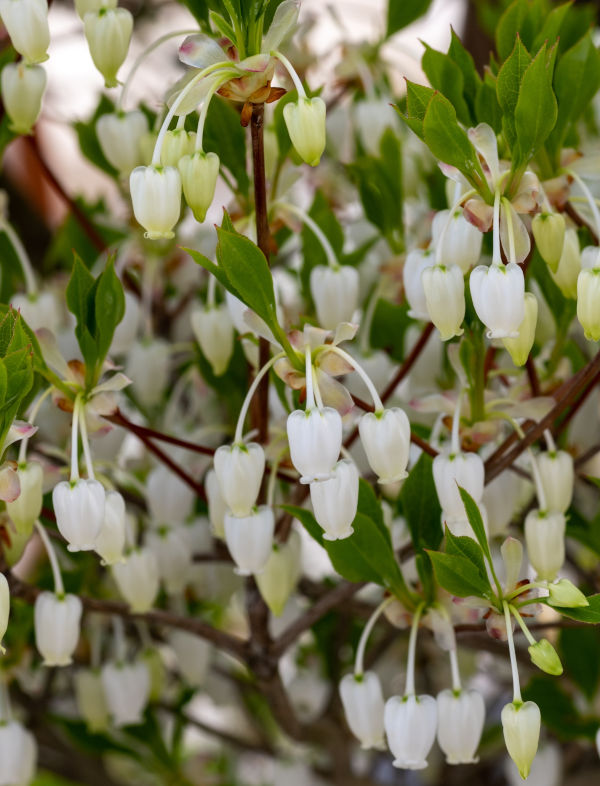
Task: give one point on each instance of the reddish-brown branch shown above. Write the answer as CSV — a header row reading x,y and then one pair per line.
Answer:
x,y
120,419
580,221
534,382
425,446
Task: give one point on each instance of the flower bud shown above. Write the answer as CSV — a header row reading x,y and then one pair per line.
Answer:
x,y
108,32
22,91
4,608
498,293
111,538
549,233
137,579
199,172
410,725
335,501
557,474
305,121
569,265
26,22
457,242
545,539
521,726
451,471
156,198
362,699
249,539
148,368
385,437
217,507
84,7
79,508
172,557
57,621
460,723
565,593
91,702
335,294
412,274
213,329
543,654
26,509
119,135
127,689
240,471
520,347
501,499
281,573
315,438
588,302
193,656
444,289
170,500
176,144
18,754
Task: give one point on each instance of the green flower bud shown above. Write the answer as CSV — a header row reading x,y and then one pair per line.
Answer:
x,y
543,654
565,593
280,576
199,174
569,266
549,233
22,91
305,121
108,32
588,302
520,347
176,144
521,723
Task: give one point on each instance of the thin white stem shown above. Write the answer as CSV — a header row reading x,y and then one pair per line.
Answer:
x,y
412,648
86,445
120,644
363,375
332,259
204,110
31,417
180,123
550,444
511,231
456,684
291,71
513,656
539,488
273,477
59,588
74,441
244,410
317,390
496,255
365,327
310,395
455,444
210,291
590,198
362,644
22,256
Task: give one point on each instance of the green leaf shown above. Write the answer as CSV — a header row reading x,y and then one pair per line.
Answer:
x,y
370,506
216,271
590,614
420,505
109,305
536,109
487,108
224,136
551,29
584,530
402,13
522,19
580,654
417,101
558,710
465,62
388,328
458,575
508,85
88,139
78,290
446,76
468,548
475,521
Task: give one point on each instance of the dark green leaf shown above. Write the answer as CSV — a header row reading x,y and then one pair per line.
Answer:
x,y
370,506
551,29
402,13
224,136
420,505
469,549
508,85
417,101
216,271
109,303
388,328
458,575
487,108
559,713
519,19
580,651
536,109
475,521
465,62
447,77
78,290
590,614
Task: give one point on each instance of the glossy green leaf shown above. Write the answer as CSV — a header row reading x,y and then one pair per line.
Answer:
x,y
522,18
551,29
458,575
487,108
468,548
559,713
109,304
447,77
402,13
508,85
536,108
417,101
464,60
420,505
224,136
476,522
590,614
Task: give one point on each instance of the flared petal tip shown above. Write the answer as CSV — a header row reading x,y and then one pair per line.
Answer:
x,y
394,479
402,764
341,536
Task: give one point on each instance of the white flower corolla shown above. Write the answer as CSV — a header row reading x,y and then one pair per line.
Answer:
x,y
170,500
456,240
385,436
305,121
498,293
410,725
148,368
549,233
217,507
520,347
126,331
590,257
362,699
416,262
39,310
193,656
335,501
199,172
108,33
461,715
156,198
173,557
23,87
240,470
249,539
451,470
119,135
315,438
111,539
569,265
127,690
371,119
334,291
4,608
501,500
26,22
557,474
213,329
56,622
26,508
176,144
280,575
444,289
18,754
521,723
79,509
545,540
84,7
546,768
91,702
137,579
588,302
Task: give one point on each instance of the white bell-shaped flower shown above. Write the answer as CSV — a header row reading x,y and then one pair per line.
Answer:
x,y
460,722
22,91
4,608
335,501
588,302
520,347
385,436
315,438
156,198
217,507
498,293
549,233
305,121
26,509
240,470
18,755
451,470
545,540
170,500
26,22
569,265
521,723
137,579
249,539
416,262
108,33
444,289
57,619
127,690
176,144
91,702
193,656
456,240
557,474
334,291
148,368
173,557
199,172
213,329
39,310
126,331
79,509
362,699
84,7
119,135
281,573
111,539
410,725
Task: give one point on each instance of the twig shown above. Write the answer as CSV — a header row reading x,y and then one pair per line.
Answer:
x,y
119,419
581,222
532,375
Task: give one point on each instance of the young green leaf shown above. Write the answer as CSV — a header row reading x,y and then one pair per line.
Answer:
x,y
522,18
590,613
476,522
487,108
402,12
468,548
508,85
109,305
446,76
536,109
420,505
458,575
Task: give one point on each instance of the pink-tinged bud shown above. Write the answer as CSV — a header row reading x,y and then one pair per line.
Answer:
x,y
410,725
386,439
249,539
79,509
498,293
156,198
23,87
57,621
460,723
521,726
315,438
416,262
127,690
545,540
549,233
18,754
199,172
335,294
305,121
558,477
108,33
119,136
26,22
362,699
444,289
213,329
588,302
240,471
335,501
